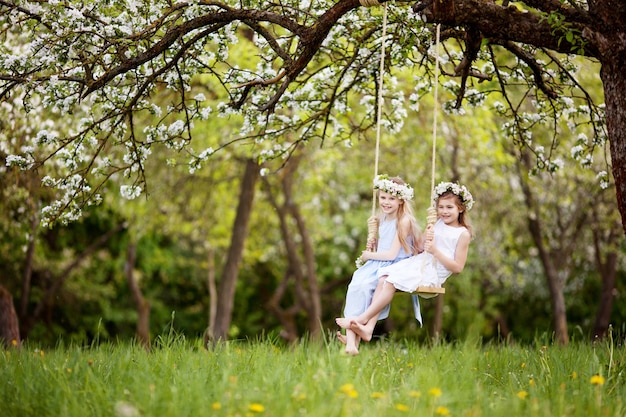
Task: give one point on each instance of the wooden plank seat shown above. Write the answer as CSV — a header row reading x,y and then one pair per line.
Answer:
x,y
428,292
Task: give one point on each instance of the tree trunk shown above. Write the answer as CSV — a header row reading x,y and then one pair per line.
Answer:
x,y
551,272
438,319
28,267
228,281
301,265
314,304
212,288
143,306
602,321
613,75
557,301
9,325
607,267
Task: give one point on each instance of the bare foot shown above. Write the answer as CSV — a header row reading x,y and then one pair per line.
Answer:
x,y
352,351
343,322
341,338
361,330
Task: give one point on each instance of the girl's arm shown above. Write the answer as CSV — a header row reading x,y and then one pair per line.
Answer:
x,y
391,253
457,264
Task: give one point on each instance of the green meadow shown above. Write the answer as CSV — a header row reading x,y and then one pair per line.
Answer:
x,y
178,377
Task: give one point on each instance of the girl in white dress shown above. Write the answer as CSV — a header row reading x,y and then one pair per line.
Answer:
x,y
446,245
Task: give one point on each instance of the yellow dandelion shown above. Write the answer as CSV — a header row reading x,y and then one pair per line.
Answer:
x,y
377,395
435,392
415,394
402,407
216,406
523,364
531,382
256,408
442,411
410,365
69,370
597,380
574,375
14,342
348,389
522,395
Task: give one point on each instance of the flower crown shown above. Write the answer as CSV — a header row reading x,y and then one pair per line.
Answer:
x,y
460,190
384,183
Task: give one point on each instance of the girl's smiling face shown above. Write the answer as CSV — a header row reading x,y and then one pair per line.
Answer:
x,y
448,210
389,203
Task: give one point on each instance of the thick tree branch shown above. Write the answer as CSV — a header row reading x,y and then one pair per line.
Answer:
x,y
505,23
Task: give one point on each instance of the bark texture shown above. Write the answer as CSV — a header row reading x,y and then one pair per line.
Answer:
x,y
228,280
143,306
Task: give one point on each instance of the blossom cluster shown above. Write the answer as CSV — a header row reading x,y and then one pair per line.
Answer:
x,y
402,191
454,188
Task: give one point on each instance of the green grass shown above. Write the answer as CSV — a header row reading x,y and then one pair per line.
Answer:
x,y
266,378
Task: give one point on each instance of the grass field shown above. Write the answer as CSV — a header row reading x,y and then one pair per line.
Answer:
x,y
266,378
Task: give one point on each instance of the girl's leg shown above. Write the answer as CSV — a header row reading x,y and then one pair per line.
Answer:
x,y
381,299
352,342
364,324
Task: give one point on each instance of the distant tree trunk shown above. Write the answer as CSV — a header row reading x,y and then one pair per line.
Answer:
x,y
548,259
228,280
9,325
438,319
212,288
28,266
608,271
311,297
143,306
49,293
301,269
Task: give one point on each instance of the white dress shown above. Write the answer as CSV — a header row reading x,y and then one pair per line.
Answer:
x,y
423,269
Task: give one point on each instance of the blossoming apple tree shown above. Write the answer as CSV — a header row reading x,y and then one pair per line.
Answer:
x,y
86,81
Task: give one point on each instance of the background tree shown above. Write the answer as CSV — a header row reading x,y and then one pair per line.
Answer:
x,y
100,87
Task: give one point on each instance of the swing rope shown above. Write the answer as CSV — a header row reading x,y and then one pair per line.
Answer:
x,y
372,223
431,217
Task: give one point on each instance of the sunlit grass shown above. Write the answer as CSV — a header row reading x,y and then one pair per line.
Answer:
x,y
267,378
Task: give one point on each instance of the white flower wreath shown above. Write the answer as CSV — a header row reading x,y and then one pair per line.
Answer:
x,y
384,183
459,190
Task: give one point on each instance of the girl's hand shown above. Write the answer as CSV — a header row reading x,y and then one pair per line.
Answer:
x,y
429,233
366,255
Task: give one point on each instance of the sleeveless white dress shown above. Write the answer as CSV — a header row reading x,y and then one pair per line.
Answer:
x,y
423,269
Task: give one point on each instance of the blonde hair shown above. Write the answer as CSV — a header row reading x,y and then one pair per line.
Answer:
x,y
408,237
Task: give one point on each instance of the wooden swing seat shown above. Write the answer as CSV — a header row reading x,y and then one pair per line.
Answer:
x,y
430,291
